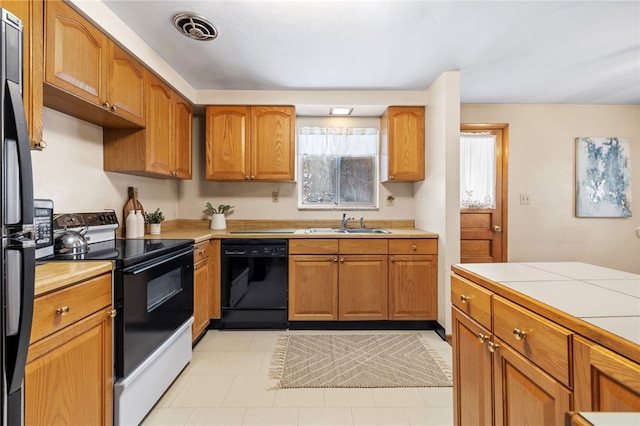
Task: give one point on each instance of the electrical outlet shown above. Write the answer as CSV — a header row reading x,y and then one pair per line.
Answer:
x,y
524,199
391,200
274,197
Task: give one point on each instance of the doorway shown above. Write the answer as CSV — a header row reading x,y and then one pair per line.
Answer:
x,y
483,226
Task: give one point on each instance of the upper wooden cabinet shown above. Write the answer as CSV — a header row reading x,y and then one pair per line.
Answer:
x,y
163,148
87,75
31,13
402,144
250,143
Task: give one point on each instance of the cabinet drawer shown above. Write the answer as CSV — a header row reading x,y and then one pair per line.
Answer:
x,y
471,299
313,246
543,342
57,310
367,246
203,250
413,246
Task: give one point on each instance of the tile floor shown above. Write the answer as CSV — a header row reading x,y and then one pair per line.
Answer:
x,y
227,383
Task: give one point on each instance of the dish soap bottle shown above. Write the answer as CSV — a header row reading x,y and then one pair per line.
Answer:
x,y
140,224
131,225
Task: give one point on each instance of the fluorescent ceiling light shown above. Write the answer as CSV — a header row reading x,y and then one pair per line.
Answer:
x,y
340,111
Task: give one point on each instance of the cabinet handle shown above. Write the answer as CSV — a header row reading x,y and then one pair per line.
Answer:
x,y
414,247
519,334
464,299
335,259
201,251
106,104
112,313
493,347
114,108
482,337
62,311
392,259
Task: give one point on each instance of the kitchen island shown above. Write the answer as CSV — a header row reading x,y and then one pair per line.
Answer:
x,y
533,341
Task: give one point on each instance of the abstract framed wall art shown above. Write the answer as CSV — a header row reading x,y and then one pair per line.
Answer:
x,y
603,177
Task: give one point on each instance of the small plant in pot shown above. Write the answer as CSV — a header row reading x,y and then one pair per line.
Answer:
x,y
154,220
218,220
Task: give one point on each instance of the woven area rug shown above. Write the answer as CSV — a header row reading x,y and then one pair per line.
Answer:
x,y
357,361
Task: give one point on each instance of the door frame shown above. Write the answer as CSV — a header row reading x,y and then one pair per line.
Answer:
x,y
505,173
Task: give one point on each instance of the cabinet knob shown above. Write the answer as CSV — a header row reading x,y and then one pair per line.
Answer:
x,y
392,259
519,334
341,259
497,228
414,247
246,178
482,338
106,104
62,311
253,177
112,313
40,145
464,299
114,108
335,259
493,347
391,177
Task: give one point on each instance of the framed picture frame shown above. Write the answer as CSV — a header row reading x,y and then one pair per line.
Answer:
x,y
603,177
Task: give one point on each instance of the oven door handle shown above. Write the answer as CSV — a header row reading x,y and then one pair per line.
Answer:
x,y
138,269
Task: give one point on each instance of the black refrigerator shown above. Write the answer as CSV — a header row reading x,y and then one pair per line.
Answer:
x,y
17,266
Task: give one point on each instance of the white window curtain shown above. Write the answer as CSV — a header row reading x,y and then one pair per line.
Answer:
x,y
351,142
477,171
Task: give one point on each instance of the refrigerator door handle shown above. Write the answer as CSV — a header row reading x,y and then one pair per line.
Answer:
x,y
20,276
16,125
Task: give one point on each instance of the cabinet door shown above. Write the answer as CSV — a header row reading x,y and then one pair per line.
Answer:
x,y
313,288
126,85
524,394
182,137
200,298
402,131
472,372
413,287
227,142
31,15
68,376
272,142
214,295
363,287
76,53
159,138
604,380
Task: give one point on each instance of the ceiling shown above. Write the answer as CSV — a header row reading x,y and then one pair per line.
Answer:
x,y
559,52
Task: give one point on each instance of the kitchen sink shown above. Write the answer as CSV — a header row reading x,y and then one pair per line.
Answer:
x,y
324,231
346,231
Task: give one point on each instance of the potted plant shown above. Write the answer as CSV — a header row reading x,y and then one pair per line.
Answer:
x,y
218,220
154,220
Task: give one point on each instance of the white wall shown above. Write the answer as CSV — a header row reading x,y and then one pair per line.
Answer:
x,y
542,164
69,171
436,199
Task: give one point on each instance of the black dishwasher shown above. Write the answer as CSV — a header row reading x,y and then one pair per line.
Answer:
x,y
254,283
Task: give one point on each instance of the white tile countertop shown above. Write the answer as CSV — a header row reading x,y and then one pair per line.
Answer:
x,y
606,298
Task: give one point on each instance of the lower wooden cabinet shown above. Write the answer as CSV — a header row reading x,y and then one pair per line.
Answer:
x,y
201,289
525,394
69,370
604,380
360,280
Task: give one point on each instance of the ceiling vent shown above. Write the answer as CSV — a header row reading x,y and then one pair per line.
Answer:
x,y
195,27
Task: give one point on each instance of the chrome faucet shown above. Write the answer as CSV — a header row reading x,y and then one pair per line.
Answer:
x,y
345,220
